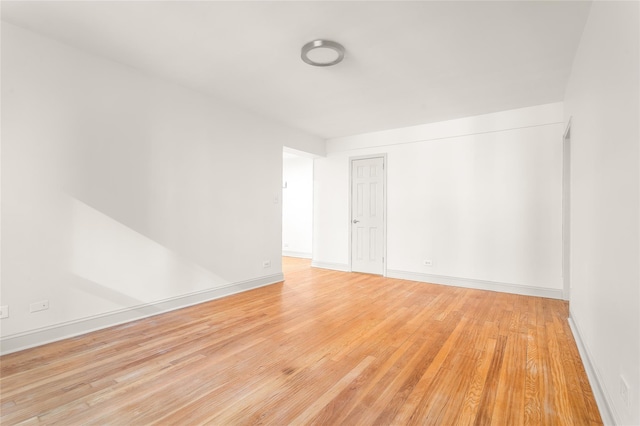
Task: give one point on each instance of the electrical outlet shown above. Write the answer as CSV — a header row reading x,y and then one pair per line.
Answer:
x,y
286,245
427,262
39,306
266,264
624,392
4,311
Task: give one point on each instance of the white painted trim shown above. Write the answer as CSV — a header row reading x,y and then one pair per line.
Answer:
x,y
20,341
301,254
566,212
567,130
330,265
603,399
477,284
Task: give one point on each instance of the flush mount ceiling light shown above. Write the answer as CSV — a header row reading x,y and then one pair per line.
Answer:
x,y
322,53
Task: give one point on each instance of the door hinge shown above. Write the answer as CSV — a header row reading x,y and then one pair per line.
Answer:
x,y
383,260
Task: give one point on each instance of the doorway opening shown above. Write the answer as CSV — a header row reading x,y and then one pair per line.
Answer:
x,y
297,204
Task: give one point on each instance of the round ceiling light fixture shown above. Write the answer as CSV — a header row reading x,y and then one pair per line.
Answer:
x,y
322,53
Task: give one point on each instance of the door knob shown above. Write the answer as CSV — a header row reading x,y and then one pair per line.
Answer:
x,y
355,221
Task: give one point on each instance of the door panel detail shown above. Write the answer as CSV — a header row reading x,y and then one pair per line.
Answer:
x,y
367,221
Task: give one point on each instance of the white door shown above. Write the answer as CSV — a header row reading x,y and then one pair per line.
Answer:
x,y
367,215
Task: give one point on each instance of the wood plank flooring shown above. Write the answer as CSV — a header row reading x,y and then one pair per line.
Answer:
x,y
324,347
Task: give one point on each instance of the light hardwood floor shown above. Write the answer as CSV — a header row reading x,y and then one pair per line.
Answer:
x,y
324,347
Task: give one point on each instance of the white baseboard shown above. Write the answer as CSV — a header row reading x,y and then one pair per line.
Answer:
x,y
603,399
477,284
300,254
330,265
20,341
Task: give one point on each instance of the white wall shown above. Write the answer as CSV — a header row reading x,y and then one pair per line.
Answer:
x,y
602,101
124,195
297,206
480,197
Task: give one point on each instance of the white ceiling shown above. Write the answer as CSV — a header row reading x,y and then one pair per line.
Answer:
x,y
406,63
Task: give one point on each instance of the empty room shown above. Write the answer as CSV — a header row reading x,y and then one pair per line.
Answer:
x,y
320,212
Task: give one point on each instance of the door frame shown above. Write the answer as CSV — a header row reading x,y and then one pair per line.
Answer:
x,y
384,207
303,154
566,212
